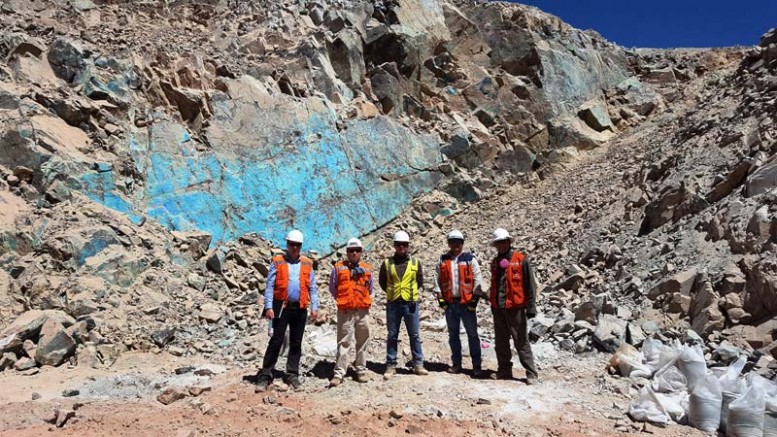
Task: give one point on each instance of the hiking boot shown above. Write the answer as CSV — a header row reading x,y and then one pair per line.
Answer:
x,y
262,383
456,368
390,371
420,371
294,382
334,382
477,373
501,375
361,378
532,380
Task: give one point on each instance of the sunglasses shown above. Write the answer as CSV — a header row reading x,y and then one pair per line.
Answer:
x,y
290,244
401,244
357,250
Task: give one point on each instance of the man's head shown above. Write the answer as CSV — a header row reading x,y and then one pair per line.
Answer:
x,y
294,243
353,250
455,242
401,243
502,240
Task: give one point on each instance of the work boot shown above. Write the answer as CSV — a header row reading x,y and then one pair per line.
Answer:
x,y
420,371
361,378
477,373
390,371
501,374
262,383
293,382
456,368
532,380
334,382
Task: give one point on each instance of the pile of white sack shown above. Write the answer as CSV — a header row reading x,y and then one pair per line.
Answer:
x,y
684,391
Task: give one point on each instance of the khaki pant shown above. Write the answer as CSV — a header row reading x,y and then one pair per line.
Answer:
x,y
353,332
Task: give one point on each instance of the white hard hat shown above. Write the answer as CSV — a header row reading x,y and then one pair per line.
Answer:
x,y
501,234
353,242
294,236
401,237
455,235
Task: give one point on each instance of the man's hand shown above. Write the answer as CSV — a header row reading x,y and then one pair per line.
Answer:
x,y
473,304
269,314
313,315
531,313
443,303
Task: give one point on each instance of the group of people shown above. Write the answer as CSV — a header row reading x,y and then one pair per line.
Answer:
x,y
291,292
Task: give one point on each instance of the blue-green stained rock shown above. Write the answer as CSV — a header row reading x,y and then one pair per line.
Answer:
x,y
274,165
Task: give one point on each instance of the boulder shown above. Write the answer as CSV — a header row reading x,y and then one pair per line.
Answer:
x,y
211,313
680,283
68,58
760,224
760,297
55,344
731,182
28,326
595,116
7,360
610,333
763,180
672,204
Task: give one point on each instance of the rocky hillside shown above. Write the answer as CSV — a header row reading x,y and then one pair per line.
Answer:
x,y
153,155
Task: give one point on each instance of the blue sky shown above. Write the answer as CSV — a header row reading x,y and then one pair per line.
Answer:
x,y
665,23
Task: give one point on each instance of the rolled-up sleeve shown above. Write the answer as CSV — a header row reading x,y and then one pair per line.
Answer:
x,y
333,283
313,291
478,286
436,281
529,284
269,290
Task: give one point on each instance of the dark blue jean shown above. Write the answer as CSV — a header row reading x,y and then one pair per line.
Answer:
x,y
454,316
395,312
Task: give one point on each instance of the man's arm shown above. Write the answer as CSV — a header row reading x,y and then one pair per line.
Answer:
x,y
478,286
333,283
269,289
419,277
383,276
437,290
313,293
529,287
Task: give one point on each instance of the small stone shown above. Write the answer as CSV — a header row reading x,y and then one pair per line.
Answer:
x,y
62,416
35,396
196,391
394,414
483,401
12,180
68,393
24,363
170,395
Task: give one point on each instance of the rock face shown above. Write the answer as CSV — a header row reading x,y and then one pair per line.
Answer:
x,y
269,150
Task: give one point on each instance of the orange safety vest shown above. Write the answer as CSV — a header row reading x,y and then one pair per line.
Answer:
x,y
466,277
516,297
281,291
353,292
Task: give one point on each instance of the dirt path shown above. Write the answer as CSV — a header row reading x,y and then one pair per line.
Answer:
x,y
575,397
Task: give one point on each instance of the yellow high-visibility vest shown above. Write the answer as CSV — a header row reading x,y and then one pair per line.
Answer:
x,y
405,289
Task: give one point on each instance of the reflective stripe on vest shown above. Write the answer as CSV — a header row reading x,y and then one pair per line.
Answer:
x,y
353,292
281,291
405,289
466,277
516,297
